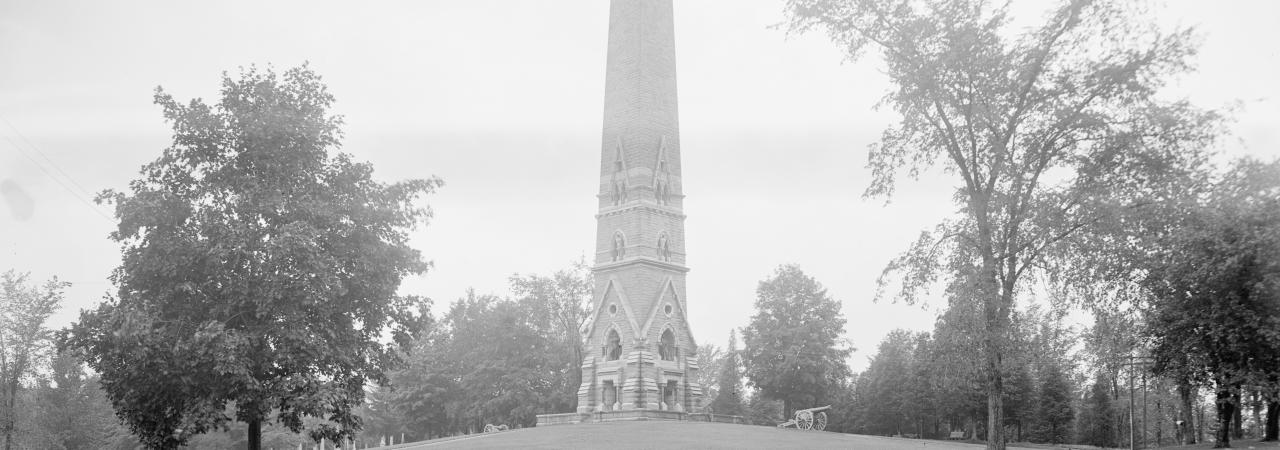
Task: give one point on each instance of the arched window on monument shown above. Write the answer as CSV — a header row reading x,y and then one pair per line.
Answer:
x,y
667,346
619,247
612,346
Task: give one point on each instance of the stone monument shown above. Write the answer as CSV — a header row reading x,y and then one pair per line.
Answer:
x,y
640,355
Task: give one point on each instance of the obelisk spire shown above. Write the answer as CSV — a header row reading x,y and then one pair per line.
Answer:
x,y
640,352
641,119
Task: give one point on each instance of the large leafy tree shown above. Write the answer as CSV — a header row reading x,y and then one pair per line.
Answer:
x,y
1215,284
258,270
793,343
25,341
561,306
1041,128
508,370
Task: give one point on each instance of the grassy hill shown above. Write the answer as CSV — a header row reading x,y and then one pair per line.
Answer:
x,y
702,435
664,434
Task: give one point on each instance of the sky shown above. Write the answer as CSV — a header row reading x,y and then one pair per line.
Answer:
x,y
503,100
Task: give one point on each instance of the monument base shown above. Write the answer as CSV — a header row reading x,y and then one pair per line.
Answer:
x,y
634,414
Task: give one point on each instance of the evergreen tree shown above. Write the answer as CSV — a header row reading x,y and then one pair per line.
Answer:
x,y
1097,418
729,399
1055,412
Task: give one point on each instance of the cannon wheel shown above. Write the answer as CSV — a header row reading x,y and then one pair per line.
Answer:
x,y
820,422
804,420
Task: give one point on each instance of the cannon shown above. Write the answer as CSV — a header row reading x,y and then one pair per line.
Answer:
x,y
808,419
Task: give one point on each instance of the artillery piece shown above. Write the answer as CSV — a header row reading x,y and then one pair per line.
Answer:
x,y
808,419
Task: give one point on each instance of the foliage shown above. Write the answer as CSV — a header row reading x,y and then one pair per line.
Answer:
x,y
884,406
1097,417
562,303
710,366
257,270
1043,128
1214,316
25,342
729,398
1055,411
505,367
491,361
75,411
792,342
765,411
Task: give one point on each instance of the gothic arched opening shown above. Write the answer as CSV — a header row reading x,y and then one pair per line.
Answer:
x,y
667,346
613,346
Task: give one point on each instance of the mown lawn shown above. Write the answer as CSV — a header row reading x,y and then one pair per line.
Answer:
x,y
662,434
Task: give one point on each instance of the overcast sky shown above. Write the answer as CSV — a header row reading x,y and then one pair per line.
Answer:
x,y
503,99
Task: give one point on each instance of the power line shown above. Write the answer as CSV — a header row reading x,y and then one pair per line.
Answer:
x,y
46,171
42,154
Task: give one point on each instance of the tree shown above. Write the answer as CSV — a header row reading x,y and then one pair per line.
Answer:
x,y
257,270
25,343
1097,418
421,393
1215,284
729,398
74,411
710,365
506,369
1055,411
563,302
886,399
792,351
1042,130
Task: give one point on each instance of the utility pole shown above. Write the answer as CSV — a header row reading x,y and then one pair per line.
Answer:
x,y
1134,362
1133,443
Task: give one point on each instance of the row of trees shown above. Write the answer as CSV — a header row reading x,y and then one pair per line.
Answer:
x,y
1192,280
504,360
1073,170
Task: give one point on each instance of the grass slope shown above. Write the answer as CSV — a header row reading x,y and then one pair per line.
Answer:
x,y
664,434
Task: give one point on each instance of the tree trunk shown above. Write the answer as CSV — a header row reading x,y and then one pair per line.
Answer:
x,y
1159,419
11,412
1226,410
1200,423
995,330
255,434
995,407
1188,420
1272,432
1237,424
1256,404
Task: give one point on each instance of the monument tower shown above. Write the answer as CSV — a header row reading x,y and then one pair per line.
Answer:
x,y
640,354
